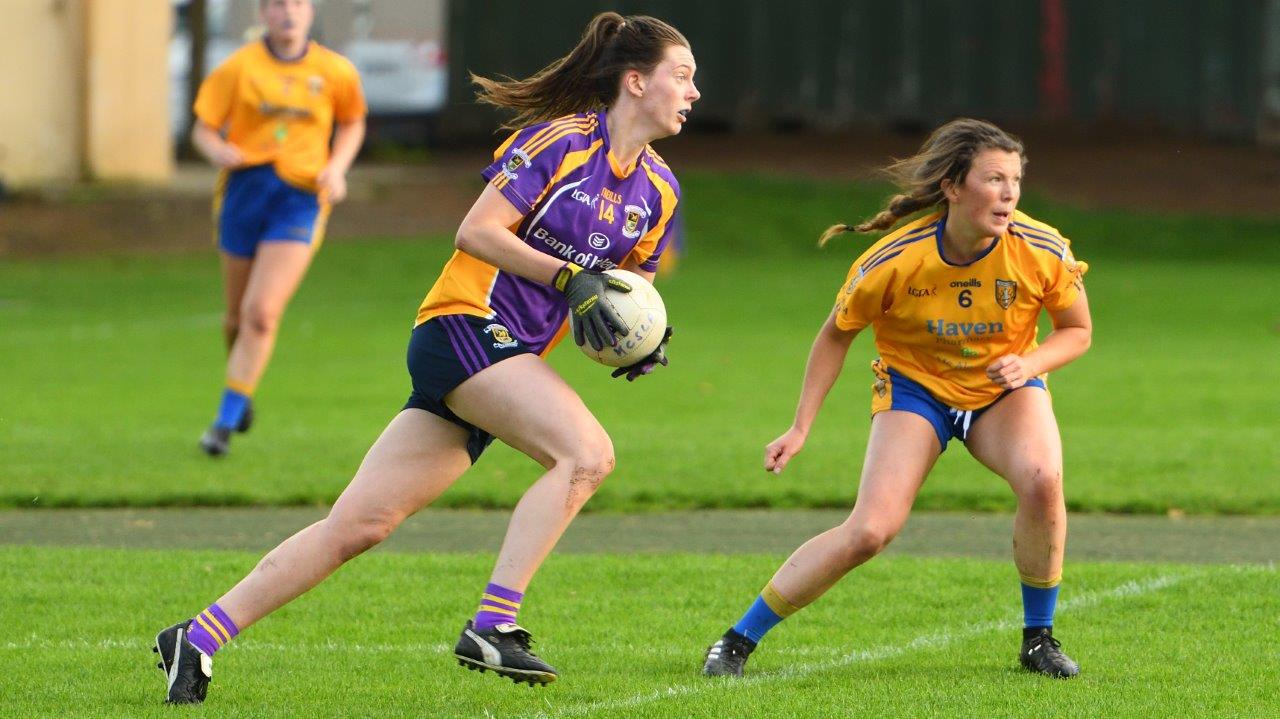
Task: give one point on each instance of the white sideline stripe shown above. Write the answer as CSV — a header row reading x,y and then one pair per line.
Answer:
x,y
936,640
36,642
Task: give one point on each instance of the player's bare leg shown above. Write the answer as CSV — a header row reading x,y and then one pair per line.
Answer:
x,y
1018,439
250,328
901,450
417,457
523,402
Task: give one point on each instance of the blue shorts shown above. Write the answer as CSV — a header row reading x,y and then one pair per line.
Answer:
x,y
908,396
254,205
444,352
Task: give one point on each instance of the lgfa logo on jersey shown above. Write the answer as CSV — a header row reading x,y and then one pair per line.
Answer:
x,y
1006,292
501,336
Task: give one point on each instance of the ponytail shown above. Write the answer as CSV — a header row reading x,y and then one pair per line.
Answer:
x,y
588,78
946,155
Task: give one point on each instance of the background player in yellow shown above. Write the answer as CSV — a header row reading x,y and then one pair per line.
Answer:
x,y
265,117
953,299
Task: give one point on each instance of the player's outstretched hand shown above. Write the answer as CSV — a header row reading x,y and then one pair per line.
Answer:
x,y
1009,372
646,365
780,451
596,322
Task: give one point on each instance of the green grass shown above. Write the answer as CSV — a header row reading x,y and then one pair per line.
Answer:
x,y
112,367
899,637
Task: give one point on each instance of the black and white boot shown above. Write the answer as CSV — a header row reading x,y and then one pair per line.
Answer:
x,y
728,655
1042,653
187,669
505,650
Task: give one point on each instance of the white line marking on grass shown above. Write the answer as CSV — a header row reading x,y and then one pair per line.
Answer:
x,y
936,640
244,645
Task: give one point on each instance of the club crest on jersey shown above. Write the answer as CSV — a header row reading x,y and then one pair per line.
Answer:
x,y
501,336
631,228
519,158
315,84
1006,292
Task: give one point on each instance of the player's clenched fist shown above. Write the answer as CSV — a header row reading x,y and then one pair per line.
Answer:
x,y
781,450
1010,371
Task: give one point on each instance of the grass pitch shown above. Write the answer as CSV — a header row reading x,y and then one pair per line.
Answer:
x,y
900,636
113,367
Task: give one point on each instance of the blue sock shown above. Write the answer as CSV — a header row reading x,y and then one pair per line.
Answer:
x,y
231,409
758,620
764,614
1038,604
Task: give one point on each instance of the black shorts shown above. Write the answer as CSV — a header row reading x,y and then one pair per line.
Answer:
x,y
444,352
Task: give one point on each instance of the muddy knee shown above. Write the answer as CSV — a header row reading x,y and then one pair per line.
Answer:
x,y
588,468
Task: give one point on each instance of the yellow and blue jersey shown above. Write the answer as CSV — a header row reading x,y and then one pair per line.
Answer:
x,y
580,205
940,324
281,112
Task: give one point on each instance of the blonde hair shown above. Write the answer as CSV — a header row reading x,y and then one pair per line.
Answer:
x,y
946,155
588,77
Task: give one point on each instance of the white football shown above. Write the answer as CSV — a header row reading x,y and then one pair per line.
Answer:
x,y
643,314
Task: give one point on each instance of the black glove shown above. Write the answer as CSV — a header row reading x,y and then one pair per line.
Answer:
x,y
596,323
646,365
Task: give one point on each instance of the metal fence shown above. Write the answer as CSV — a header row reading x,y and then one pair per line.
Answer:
x,y
1209,67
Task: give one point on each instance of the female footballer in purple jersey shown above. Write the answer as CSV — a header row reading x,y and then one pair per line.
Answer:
x,y
953,298
577,190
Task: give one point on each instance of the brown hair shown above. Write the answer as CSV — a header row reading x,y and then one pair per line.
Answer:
x,y
946,155
588,77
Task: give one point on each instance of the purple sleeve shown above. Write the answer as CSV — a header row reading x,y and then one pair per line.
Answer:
x,y
524,165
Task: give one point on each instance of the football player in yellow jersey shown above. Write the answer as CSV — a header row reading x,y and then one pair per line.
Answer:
x,y
953,299
575,191
265,117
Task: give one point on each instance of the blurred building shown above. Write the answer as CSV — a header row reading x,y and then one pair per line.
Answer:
x,y
97,89
84,90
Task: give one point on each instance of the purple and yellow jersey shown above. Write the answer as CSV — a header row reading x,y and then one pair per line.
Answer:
x,y
579,206
941,324
282,111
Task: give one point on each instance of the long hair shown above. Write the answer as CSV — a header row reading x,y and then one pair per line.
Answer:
x,y
588,78
946,155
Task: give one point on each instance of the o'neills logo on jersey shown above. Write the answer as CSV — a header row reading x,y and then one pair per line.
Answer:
x,y
589,260
966,283
942,328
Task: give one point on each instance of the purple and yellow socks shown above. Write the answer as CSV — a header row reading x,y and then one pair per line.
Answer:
x,y
211,630
498,605
764,614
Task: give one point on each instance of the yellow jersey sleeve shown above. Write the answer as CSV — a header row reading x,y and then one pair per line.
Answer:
x,y
217,93
348,97
865,295
1062,273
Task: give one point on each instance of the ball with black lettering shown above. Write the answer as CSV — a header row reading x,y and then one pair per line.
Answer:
x,y
643,314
